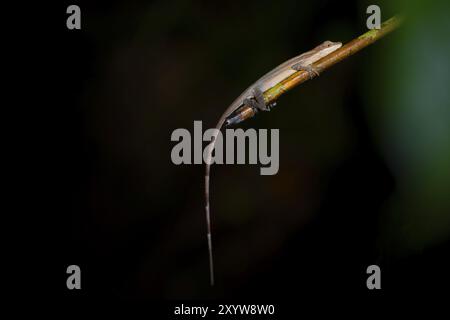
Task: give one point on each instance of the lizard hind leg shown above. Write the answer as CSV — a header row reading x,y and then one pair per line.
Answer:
x,y
257,101
259,98
250,102
310,69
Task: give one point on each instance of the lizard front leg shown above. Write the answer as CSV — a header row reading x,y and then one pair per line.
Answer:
x,y
308,68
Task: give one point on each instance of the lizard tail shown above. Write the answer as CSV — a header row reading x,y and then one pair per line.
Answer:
x,y
207,208
208,225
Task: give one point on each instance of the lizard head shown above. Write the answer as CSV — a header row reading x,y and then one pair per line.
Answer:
x,y
331,44
328,47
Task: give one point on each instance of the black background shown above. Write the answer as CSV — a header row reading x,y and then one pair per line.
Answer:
x,y
132,236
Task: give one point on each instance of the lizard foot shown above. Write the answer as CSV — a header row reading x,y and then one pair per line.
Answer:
x,y
310,69
271,106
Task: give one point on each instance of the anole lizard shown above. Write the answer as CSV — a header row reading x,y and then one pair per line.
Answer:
x,y
254,98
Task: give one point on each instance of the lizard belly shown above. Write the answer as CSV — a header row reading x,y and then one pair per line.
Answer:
x,y
274,80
